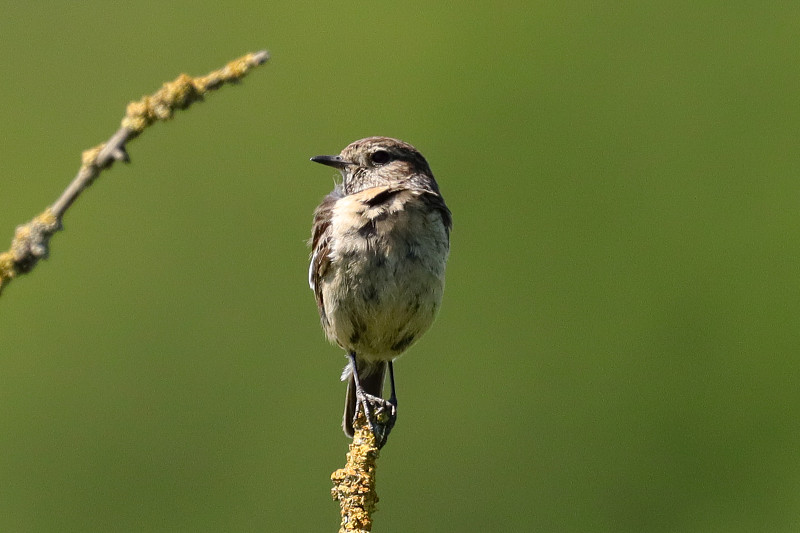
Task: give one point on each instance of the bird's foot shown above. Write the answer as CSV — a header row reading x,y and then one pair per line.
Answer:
x,y
380,414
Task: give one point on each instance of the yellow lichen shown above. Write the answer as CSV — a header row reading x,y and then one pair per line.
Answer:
x,y
183,91
354,485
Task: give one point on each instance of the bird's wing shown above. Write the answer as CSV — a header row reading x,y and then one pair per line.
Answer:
x,y
320,245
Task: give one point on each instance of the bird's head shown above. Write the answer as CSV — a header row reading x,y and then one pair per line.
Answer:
x,y
380,161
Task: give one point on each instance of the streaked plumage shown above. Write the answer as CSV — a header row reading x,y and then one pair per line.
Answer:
x,y
380,242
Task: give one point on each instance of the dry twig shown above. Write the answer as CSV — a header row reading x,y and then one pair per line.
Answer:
x,y
31,240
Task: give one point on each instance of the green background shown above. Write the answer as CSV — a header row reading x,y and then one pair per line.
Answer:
x,y
618,345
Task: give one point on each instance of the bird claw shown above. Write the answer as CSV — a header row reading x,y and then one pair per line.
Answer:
x,y
380,414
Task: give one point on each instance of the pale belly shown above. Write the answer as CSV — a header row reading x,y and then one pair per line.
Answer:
x,y
384,288
382,307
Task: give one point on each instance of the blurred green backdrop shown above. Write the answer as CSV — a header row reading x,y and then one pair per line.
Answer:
x,y
618,346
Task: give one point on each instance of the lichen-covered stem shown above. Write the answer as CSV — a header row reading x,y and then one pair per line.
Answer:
x,y
31,240
354,485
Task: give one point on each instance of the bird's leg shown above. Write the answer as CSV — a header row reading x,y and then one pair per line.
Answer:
x,y
362,398
380,414
386,414
393,396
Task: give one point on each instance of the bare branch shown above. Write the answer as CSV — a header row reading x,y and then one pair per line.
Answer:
x,y
31,240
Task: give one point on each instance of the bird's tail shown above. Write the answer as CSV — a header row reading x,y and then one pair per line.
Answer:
x,y
370,375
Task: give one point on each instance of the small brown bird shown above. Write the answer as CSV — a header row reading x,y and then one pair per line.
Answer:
x,y
379,243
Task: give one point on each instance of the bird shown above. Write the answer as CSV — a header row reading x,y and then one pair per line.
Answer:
x,y
379,246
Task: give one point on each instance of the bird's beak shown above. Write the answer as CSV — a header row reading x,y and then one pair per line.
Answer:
x,y
334,161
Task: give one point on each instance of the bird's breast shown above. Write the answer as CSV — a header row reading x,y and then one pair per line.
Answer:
x,y
385,281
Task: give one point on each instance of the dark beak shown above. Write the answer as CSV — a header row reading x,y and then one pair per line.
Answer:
x,y
334,161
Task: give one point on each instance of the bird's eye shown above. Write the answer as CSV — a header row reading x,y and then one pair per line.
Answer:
x,y
380,157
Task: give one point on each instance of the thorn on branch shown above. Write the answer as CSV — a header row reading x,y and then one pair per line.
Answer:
x,y
120,154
